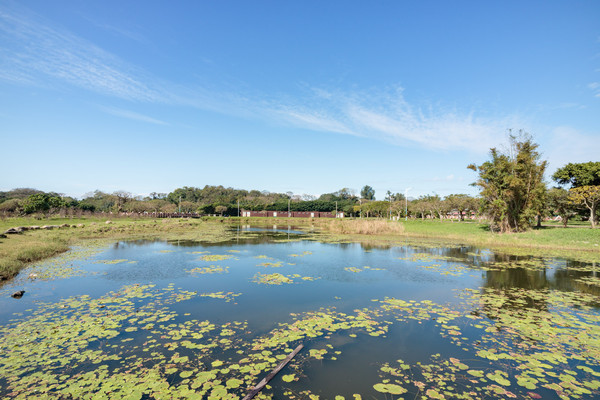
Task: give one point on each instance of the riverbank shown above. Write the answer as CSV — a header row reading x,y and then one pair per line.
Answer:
x,y
19,250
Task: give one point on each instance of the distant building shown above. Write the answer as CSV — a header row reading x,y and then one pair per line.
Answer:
x,y
292,214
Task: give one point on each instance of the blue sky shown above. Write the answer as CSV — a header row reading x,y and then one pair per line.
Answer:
x,y
305,96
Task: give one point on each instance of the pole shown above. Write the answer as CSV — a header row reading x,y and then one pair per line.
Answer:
x,y
238,208
336,209
360,209
289,215
180,204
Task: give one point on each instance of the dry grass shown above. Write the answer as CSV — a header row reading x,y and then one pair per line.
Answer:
x,y
363,227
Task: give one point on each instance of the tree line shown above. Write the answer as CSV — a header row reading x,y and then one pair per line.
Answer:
x,y
513,196
225,201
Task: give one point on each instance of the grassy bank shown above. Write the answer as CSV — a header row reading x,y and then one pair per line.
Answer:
x,y
548,240
16,251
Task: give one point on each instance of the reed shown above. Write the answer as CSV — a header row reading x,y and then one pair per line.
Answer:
x,y
363,227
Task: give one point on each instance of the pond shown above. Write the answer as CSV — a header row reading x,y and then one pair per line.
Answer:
x,y
180,319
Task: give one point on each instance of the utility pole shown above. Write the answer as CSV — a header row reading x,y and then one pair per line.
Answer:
x,y
360,207
179,204
336,209
289,215
238,208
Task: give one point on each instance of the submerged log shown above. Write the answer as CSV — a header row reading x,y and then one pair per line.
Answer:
x,y
266,380
18,294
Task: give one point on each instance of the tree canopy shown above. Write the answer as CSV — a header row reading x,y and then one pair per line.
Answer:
x,y
367,192
588,196
512,185
578,174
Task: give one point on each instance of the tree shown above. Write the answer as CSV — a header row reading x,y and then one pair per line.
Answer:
x,y
578,174
41,202
461,203
367,193
220,209
584,179
590,197
439,206
557,201
11,206
420,206
512,185
122,198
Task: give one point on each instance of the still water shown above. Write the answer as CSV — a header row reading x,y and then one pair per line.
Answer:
x,y
156,319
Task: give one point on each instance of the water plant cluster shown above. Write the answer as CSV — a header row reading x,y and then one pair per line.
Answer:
x,y
141,341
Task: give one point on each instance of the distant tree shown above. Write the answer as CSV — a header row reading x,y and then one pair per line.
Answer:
x,y
462,203
512,185
345,194
206,209
421,206
398,208
19,193
220,209
584,179
397,197
12,206
138,206
184,194
578,174
122,197
97,201
439,206
41,202
187,206
367,192
558,203
157,196
589,196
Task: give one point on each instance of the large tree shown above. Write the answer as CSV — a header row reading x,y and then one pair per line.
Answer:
x,y
512,185
367,192
578,174
588,196
557,202
584,179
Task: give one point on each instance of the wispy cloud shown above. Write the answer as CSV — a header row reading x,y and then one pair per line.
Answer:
x,y
32,50
35,52
595,87
386,115
132,115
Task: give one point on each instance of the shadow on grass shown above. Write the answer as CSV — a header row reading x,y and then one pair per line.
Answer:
x,y
486,228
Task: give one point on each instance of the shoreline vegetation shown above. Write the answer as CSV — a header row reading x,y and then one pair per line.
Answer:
x,y
20,250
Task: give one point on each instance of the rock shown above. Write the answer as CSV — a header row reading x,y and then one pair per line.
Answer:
x,y
34,227
50,226
18,294
64,226
32,276
13,231
3,236
80,225
108,222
